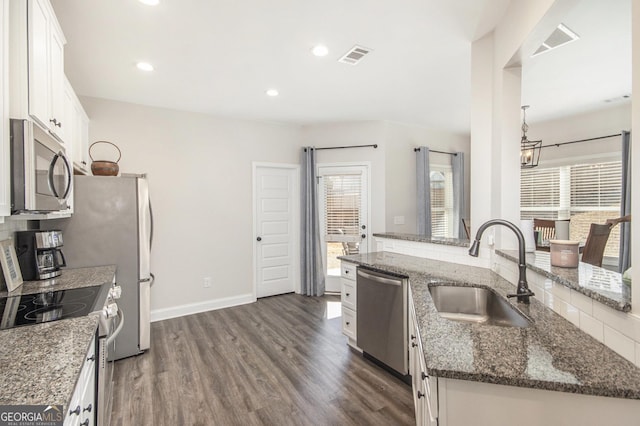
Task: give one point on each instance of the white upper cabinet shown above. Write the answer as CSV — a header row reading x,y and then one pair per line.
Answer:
x,y
38,72
76,130
57,79
37,65
46,66
5,172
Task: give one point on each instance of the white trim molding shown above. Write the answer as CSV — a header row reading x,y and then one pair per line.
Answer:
x,y
196,308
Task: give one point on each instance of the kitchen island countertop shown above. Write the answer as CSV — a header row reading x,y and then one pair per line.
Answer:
x,y
40,364
552,354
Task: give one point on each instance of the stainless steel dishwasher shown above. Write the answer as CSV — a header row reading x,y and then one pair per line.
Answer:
x,y
382,319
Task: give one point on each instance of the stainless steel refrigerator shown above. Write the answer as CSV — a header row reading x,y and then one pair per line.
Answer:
x,y
112,224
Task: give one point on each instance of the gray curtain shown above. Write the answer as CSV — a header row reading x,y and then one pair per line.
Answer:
x,y
624,260
311,267
423,184
459,205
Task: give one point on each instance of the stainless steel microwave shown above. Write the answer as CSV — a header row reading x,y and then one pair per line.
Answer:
x,y
40,172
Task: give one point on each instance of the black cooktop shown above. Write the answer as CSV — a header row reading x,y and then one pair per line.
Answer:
x,y
28,309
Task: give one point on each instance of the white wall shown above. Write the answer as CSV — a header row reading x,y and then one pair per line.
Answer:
x,y
607,121
495,110
199,170
393,163
400,161
354,133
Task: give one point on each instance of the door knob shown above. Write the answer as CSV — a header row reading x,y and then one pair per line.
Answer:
x,y
259,239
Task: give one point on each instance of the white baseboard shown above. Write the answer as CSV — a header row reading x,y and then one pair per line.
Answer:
x,y
195,308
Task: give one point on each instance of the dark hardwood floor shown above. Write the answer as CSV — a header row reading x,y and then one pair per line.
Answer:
x,y
279,361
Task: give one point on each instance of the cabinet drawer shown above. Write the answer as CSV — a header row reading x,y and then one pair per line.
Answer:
x,y
348,295
348,271
349,323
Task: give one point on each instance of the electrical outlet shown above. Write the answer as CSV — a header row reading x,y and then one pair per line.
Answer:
x,y
207,282
398,220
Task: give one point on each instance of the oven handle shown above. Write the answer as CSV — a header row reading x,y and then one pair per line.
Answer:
x,y
118,329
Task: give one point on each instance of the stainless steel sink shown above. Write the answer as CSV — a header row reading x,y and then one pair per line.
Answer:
x,y
476,305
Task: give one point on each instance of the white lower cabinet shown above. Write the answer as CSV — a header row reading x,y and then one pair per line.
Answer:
x,y
348,298
82,409
450,402
424,387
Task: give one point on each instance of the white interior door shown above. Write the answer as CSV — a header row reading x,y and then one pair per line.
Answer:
x,y
343,193
276,229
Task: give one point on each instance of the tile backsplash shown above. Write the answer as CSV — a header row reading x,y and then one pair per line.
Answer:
x,y
10,226
7,230
620,331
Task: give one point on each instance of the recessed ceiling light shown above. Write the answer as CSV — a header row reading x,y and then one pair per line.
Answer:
x,y
150,2
272,92
144,66
320,50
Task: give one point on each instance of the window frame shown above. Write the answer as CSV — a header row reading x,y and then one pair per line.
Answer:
x,y
447,209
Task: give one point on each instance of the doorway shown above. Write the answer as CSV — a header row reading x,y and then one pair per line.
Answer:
x,y
276,229
343,192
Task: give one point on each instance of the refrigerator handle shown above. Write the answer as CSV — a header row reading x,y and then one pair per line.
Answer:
x,y
150,220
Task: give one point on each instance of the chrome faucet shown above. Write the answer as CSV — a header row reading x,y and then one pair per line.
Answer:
x,y
523,291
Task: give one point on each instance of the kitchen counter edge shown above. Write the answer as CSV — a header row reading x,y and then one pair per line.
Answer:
x,y
557,356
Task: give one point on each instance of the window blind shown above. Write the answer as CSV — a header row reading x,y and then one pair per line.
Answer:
x,y
540,193
596,186
342,196
587,193
441,183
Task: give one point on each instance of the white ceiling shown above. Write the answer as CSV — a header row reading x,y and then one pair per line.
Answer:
x,y
578,77
219,57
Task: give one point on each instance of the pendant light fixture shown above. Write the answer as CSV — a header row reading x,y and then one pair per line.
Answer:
x,y
529,150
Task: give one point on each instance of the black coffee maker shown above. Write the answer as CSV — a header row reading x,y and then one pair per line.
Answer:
x,y
39,254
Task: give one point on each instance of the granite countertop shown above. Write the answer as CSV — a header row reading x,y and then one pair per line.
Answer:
x,y
552,354
70,279
597,283
40,364
422,239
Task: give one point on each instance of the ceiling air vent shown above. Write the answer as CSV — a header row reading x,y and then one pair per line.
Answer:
x,y
354,55
559,37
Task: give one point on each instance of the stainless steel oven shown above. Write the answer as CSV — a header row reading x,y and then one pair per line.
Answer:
x,y
41,175
111,323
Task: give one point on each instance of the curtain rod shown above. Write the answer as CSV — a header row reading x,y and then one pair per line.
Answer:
x,y
439,152
581,140
345,147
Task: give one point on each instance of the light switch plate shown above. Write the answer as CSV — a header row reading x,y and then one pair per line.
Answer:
x,y
398,220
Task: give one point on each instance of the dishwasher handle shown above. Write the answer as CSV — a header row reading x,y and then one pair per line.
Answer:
x,y
378,278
